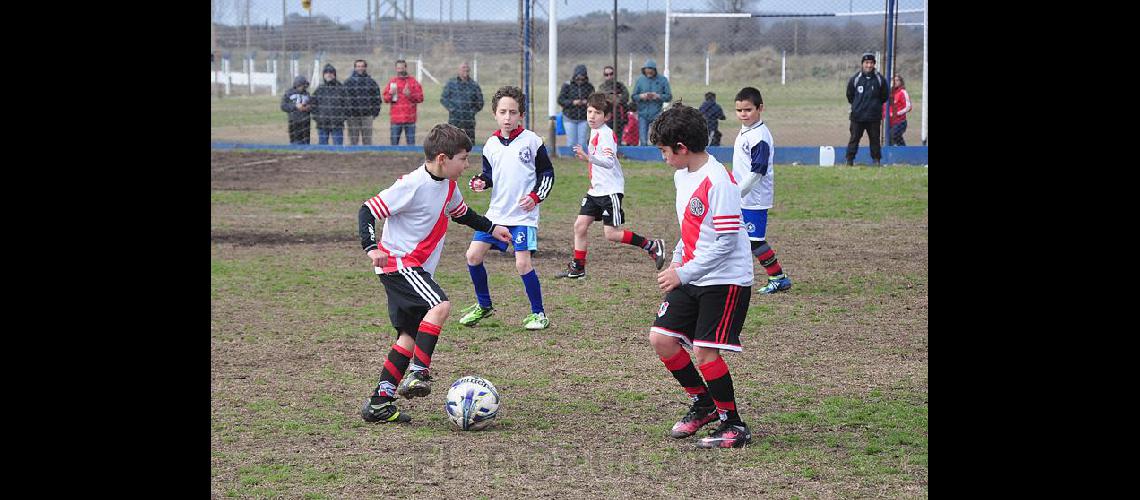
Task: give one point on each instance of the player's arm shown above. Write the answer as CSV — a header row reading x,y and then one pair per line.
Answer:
x,y
725,211
604,158
484,176
759,159
544,173
679,253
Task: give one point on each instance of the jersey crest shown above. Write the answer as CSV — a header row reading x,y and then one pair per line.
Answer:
x,y
696,207
524,155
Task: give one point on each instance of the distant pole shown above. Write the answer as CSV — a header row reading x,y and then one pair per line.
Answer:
x,y
450,20
668,24
706,68
475,68
614,113
784,68
628,77
925,20
247,27
552,75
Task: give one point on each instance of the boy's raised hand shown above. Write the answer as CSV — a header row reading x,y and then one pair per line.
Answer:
x,y
527,203
578,152
478,184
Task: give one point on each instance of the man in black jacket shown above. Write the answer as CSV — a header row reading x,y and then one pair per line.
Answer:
x,y
463,98
328,108
363,95
297,104
866,91
573,100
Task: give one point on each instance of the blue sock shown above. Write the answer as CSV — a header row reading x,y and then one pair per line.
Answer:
x,y
479,278
533,290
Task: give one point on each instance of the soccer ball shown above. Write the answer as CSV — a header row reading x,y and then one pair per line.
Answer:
x,y
472,403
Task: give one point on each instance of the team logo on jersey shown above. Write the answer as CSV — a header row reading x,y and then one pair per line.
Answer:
x,y
860,88
524,155
751,227
696,206
661,310
520,237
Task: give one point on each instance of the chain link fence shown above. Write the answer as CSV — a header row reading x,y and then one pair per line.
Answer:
x,y
799,54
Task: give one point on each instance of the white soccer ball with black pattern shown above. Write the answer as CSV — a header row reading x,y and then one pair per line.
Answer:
x,y
472,403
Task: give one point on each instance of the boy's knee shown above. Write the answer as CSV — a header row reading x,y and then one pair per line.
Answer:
x,y
524,266
442,309
474,257
613,234
705,355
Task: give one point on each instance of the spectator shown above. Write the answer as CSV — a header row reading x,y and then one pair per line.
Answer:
x,y
296,102
621,96
328,108
363,97
462,98
900,106
573,101
713,113
650,93
404,92
866,91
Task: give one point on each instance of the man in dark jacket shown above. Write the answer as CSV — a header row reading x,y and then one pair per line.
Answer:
x,y
572,98
363,96
866,91
462,98
328,108
713,114
296,102
620,94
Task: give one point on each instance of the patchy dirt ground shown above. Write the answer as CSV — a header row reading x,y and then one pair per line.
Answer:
x,y
833,378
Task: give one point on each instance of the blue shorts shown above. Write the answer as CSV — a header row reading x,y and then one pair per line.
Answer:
x,y
523,237
757,223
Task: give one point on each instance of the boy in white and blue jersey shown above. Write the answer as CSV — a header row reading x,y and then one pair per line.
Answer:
x,y
752,167
518,171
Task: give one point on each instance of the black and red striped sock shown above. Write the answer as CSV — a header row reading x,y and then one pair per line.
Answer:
x,y
767,258
683,370
632,238
393,373
580,257
426,337
720,388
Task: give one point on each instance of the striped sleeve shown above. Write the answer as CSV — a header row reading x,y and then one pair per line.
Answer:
x,y
456,207
725,201
390,201
544,173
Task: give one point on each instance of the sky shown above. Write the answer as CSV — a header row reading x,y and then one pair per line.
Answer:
x,y
262,11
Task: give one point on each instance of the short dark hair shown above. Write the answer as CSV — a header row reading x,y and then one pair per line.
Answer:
x,y
680,124
398,61
447,139
601,102
512,92
360,61
750,94
709,96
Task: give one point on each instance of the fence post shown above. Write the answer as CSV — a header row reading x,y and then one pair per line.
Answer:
x,y
274,77
226,72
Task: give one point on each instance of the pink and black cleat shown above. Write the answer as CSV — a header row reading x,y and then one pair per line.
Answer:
x,y
727,436
697,417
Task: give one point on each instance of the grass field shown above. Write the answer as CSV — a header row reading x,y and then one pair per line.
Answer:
x,y
806,111
833,378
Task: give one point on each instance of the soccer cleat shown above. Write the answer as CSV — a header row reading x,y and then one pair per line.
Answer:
x,y
776,284
657,251
415,385
383,413
473,314
697,417
536,321
573,271
727,436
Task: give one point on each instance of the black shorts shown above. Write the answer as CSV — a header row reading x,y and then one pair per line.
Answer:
x,y
704,316
411,293
604,208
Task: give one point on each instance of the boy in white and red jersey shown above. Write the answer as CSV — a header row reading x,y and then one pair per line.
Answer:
x,y
752,167
709,282
607,187
415,211
520,175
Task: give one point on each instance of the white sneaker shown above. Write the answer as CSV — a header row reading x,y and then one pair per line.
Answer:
x,y
536,321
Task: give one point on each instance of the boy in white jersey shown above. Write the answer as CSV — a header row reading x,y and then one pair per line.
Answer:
x,y
709,282
753,168
415,211
604,198
520,175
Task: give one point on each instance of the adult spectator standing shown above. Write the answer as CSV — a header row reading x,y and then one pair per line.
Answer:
x,y
297,104
650,93
403,92
866,91
572,98
363,96
329,107
620,96
463,99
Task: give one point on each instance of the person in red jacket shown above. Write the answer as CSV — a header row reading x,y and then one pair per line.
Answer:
x,y
900,106
403,92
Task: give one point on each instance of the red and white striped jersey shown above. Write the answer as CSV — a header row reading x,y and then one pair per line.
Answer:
x,y
415,210
708,206
608,178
